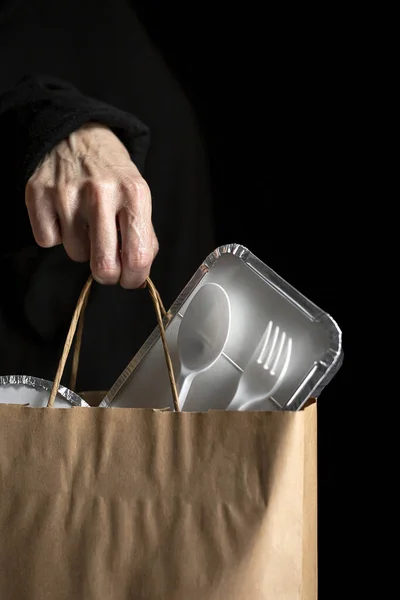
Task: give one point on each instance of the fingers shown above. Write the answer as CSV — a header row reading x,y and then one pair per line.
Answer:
x,y
74,230
105,261
79,205
42,215
54,220
75,238
139,243
138,250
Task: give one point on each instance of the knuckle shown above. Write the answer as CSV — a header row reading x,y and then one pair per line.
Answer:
x,y
44,242
136,186
48,238
138,259
102,263
104,269
31,192
38,194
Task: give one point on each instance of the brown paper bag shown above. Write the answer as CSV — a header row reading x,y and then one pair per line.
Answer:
x,y
118,504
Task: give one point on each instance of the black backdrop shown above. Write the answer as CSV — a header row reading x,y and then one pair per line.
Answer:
x,y
269,90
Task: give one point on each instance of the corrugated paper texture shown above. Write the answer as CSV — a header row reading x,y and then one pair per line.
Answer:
x,y
118,504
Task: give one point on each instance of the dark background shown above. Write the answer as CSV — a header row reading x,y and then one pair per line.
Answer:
x,y
270,91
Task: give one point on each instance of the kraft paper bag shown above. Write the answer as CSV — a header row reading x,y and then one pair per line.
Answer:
x,y
129,504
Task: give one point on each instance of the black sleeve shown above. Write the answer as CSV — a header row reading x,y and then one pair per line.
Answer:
x,y
41,111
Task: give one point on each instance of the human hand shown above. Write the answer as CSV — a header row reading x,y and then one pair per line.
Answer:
x,y
83,191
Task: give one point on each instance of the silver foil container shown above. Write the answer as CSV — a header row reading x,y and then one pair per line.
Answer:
x,y
35,392
325,357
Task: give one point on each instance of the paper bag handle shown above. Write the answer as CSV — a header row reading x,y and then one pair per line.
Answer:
x,y
78,338
78,318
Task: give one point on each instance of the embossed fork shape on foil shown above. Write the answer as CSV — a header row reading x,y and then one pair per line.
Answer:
x,y
265,370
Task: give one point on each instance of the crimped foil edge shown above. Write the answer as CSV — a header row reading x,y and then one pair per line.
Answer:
x,y
43,384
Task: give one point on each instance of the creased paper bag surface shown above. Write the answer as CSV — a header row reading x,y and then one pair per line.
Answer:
x,y
118,504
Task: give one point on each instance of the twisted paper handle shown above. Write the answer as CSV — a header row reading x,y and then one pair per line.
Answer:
x,y
79,334
77,322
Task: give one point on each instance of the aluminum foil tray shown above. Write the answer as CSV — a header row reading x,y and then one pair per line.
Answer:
x,y
258,299
35,392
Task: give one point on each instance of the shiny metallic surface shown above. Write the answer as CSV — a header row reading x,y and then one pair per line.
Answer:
x,y
42,385
320,370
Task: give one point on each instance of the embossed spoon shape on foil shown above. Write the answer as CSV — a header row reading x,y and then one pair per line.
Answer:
x,y
202,334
